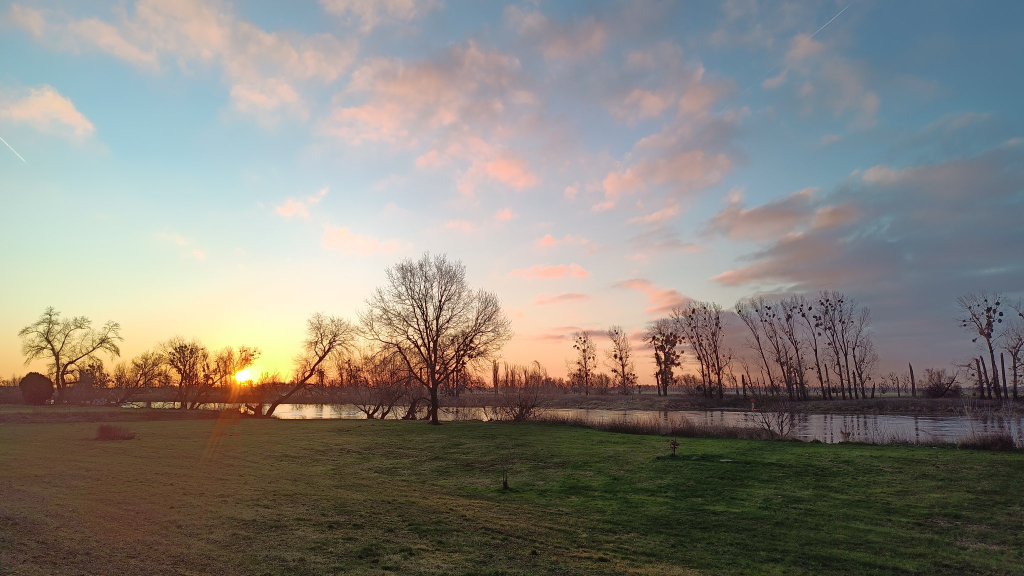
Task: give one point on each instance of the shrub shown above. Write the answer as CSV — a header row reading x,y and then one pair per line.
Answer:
x,y
111,432
989,441
940,385
36,389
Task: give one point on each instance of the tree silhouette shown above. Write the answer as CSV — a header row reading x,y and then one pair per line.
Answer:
x,y
584,367
325,336
433,320
664,337
982,316
66,343
620,356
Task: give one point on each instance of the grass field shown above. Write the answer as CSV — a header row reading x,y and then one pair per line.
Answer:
x,y
234,496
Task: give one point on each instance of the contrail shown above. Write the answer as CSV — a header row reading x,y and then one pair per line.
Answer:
x,y
13,150
779,63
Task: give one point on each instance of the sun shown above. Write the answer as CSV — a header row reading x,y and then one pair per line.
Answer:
x,y
243,375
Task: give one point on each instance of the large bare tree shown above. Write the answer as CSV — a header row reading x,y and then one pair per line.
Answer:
x,y
439,326
620,360
664,337
982,316
584,367
66,342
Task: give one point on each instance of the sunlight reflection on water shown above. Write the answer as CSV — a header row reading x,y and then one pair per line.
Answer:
x,y
823,427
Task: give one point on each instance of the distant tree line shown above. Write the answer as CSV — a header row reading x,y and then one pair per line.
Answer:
x,y
426,333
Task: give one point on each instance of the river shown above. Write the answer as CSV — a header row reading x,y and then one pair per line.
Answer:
x,y
824,427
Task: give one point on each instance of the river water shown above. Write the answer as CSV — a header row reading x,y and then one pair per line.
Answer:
x,y
824,427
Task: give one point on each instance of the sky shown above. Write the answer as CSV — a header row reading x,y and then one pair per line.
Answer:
x,y
222,170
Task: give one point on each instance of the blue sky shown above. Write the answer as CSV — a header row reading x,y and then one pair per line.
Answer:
x,y
222,170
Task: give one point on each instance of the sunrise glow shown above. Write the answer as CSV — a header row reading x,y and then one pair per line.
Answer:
x,y
458,287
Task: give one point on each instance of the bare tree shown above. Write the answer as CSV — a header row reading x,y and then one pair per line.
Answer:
x,y
325,335
620,360
813,322
702,324
982,316
191,362
428,315
1013,341
228,362
862,350
383,383
664,337
519,395
837,320
584,367
66,343
144,371
751,313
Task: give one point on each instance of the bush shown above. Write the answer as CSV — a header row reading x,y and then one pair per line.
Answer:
x,y
940,385
36,389
989,441
111,432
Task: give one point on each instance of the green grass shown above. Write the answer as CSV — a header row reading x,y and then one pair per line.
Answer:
x,y
356,497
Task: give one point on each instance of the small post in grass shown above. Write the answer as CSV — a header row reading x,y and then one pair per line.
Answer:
x,y
673,444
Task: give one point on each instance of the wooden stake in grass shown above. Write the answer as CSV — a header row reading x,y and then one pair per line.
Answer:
x,y
673,444
504,470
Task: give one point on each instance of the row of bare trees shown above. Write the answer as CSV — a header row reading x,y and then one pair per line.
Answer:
x,y
700,327
584,370
795,339
984,315
797,344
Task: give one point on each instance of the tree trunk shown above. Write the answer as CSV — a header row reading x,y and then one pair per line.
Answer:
x,y
981,382
913,382
433,405
995,370
1014,362
985,382
1002,363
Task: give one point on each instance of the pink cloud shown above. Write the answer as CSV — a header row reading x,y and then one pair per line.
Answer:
x,y
700,98
659,300
46,110
504,215
340,239
262,69
369,14
884,176
803,47
549,241
689,170
559,41
548,272
293,207
393,101
300,208
545,299
658,216
513,172
767,221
